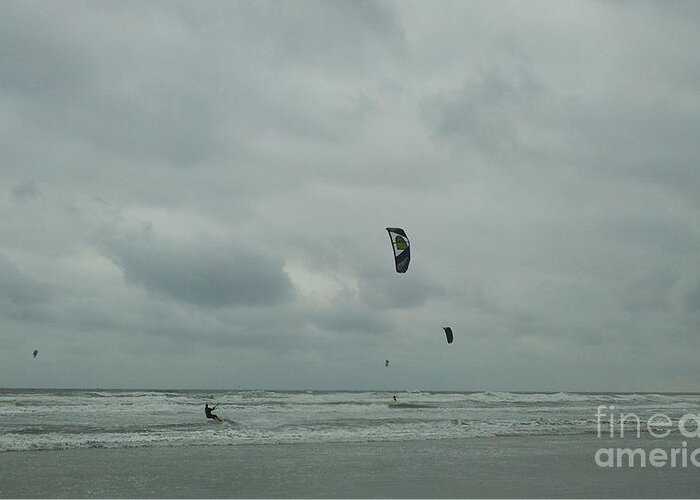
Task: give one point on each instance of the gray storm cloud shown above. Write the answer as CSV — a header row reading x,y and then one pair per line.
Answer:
x,y
20,295
205,275
542,158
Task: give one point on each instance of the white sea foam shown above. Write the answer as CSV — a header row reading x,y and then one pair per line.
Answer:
x,y
122,419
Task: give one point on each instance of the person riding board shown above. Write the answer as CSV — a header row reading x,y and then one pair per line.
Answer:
x,y
208,412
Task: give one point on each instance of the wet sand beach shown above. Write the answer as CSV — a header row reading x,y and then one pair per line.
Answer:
x,y
502,467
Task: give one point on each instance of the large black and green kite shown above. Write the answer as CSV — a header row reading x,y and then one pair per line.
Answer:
x,y
400,245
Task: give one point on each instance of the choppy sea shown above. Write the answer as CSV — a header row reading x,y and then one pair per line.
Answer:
x,y
36,419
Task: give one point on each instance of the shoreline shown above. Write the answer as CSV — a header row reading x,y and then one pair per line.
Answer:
x,y
489,467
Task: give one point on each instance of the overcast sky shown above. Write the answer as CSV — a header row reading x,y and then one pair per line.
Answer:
x,y
195,194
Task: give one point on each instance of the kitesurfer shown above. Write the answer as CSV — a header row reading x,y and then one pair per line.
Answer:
x,y
208,412
395,400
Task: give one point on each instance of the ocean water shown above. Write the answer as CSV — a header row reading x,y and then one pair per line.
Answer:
x,y
118,419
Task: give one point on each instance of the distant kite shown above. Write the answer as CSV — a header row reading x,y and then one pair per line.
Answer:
x,y
386,363
448,334
35,353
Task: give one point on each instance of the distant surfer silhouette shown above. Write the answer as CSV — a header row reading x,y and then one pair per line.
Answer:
x,y
395,400
208,412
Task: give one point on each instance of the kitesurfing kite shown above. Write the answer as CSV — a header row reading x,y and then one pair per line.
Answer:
x,y
400,245
448,334
36,351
